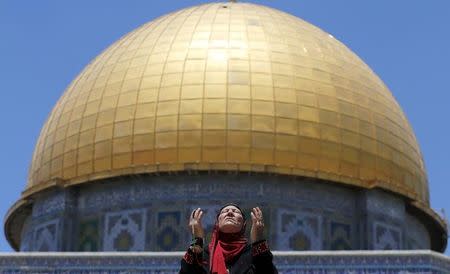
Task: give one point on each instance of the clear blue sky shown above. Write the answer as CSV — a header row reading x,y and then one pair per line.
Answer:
x,y
45,44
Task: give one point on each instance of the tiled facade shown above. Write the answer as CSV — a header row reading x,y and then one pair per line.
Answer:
x,y
354,262
149,213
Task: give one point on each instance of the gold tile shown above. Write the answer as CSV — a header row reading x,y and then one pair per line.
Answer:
x,y
261,79
77,113
166,123
88,122
239,91
163,156
214,121
195,65
106,117
214,106
239,122
173,67
214,154
214,138
215,91
306,99
191,91
262,108
145,110
330,133
126,99
222,87
103,133
86,138
329,117
286,126
286,158
172,79
348,169
262,156
130,85
350,155
103,149
84,168
238,78
239,138
191,106
263,140
238,106
125,113
263,123
190,121
262,93
189,138
239,65
121,160
189,155
167,108
123,128
215,77
165,140
330,166
74,128
109,102
122,145
71,143
143,157
56,167
91,108
85,154
286,142
102,164
286,110
150,82
70,158
147,95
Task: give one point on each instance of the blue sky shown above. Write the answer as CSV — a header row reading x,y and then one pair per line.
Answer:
x,y
45,44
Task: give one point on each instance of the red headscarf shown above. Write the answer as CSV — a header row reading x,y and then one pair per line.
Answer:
x,y
224,247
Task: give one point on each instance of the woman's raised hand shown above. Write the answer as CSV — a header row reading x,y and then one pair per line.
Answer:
x,y
257,231
195,223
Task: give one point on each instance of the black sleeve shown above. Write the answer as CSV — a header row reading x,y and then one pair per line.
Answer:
x,y
193,262
262,258
190,264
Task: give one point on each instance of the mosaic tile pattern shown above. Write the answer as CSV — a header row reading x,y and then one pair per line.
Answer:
x,y
229,86
46,236
89,238
140,190
49,203
340,236
380,202
386,237
292,262
416,234
167,231
124,231
298,216
27,236
299,231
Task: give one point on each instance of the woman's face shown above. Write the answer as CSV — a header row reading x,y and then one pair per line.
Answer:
x,y
230,219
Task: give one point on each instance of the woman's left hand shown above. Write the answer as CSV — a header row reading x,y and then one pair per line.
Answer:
x,y
257,231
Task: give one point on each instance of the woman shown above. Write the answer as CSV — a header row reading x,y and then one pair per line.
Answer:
x,y
229,250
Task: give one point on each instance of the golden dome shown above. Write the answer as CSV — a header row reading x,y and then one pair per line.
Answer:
x,y
229,86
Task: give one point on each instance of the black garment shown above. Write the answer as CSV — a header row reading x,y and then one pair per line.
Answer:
x,y
254,259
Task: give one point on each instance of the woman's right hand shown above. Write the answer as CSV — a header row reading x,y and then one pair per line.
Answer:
x,y
195,223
